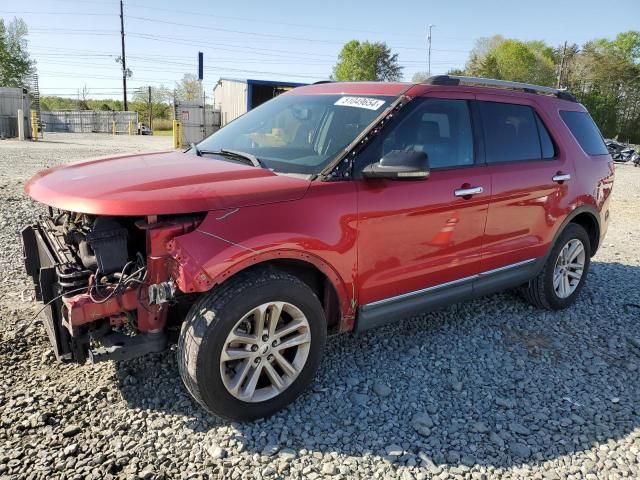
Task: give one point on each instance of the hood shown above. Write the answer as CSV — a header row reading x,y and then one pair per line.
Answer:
x,y
160,183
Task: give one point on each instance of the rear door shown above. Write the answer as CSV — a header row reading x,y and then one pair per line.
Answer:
x,y
416,234
529,177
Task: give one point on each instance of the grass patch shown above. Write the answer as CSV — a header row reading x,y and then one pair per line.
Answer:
x,y
162,124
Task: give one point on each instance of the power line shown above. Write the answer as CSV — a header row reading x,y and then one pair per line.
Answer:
x,y
209,28
245,19
138,59
199,14
78,14
269,35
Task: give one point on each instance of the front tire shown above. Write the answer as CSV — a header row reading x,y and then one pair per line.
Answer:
x,y
252,345
559,283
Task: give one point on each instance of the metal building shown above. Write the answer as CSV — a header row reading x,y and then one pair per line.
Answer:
x,y
12,100
235,97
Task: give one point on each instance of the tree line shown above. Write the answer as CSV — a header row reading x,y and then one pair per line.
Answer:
x,y
603,74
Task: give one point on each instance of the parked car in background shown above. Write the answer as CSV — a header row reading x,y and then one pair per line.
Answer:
x,y
143,129
334,207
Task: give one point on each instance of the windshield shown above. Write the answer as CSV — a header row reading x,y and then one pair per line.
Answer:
x,y
298,133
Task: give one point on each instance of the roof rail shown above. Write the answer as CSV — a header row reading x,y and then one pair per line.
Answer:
x,y
320,82
490,82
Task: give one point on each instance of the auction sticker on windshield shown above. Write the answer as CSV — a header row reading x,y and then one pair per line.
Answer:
x,y
360,102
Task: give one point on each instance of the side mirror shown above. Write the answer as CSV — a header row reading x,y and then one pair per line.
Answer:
x,y
399,165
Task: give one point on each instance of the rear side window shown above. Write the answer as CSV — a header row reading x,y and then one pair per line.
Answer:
x,y
510,132
585,131
548,150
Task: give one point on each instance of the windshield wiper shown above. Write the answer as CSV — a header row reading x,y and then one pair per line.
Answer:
x,y
255,161
193,147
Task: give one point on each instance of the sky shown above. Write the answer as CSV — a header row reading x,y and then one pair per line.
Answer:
x,y
76,42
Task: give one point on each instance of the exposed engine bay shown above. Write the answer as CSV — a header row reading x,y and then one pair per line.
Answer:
x,y
95,254
105,282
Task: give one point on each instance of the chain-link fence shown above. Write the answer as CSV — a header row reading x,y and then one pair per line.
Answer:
x,y
89,121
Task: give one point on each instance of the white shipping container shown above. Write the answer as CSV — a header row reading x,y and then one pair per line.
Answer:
x,y
12,100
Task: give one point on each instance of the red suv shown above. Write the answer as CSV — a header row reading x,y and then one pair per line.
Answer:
x,y
331,208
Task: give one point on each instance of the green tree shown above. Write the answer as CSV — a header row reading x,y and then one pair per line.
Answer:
x,y
15,64
509,59
605,76
188,89
627,44
161,99
419,77
515,61
359,61
159,94
478,55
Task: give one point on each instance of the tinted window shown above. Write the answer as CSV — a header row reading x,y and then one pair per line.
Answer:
x,y
548,150
585,131
298,133
440,128
510,132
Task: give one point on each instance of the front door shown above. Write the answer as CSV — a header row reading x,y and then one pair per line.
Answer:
x,y
416,234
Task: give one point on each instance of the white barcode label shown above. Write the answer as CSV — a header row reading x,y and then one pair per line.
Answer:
x,y
360,102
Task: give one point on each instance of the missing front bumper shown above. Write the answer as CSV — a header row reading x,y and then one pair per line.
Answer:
x,y
40,264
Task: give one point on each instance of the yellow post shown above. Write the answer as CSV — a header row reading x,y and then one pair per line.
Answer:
x,y
113,127
174,127
177,134
34,125
130,127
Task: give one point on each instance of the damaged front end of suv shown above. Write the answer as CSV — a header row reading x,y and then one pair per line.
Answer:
x,y
105,281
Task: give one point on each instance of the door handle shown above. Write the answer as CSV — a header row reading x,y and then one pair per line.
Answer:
x,y
561,177
467,192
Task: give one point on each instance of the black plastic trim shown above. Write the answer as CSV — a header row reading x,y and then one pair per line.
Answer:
x,y
372,316
567,96
442,80
453,81
394,309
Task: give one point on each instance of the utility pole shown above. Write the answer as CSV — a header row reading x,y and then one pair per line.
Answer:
x,y
429,57
150,109
124,62
561,69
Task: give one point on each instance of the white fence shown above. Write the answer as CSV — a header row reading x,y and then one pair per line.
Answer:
x,y
89,121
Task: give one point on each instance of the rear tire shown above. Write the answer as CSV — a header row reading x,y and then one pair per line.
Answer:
x,y
557,286
252,345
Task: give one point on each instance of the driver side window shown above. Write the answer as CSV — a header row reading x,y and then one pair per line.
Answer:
x,y
439,127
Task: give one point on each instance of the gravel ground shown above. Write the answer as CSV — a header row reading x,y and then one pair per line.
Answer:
x,y
485,389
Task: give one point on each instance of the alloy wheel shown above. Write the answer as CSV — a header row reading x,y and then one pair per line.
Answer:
x,y
569,268
265,351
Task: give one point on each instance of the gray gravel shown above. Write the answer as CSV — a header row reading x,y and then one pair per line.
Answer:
x,y
485,389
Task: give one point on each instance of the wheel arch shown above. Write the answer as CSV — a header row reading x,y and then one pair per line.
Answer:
x,y
588,218
317,274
